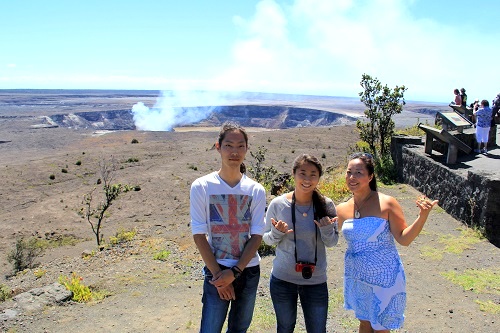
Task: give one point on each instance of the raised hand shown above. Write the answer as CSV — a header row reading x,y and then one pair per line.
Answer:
x,y
425,204
324,221
281,226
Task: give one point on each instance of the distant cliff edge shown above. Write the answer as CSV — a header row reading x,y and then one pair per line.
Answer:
x,y
265,116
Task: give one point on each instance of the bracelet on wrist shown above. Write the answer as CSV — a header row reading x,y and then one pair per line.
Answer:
x,y
236,271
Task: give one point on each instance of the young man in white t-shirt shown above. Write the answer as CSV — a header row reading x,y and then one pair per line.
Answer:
x,y
227,220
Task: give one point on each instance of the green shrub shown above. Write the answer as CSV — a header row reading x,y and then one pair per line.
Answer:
x,y
132,160
52,177
266,250
39,273
24,254
122,236
259,171
333,185
385,170
78,162
411,131
384,165
362,146
81,292
135,141
5,293
161,255
64,170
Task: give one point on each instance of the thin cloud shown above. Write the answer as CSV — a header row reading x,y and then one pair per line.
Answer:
x,y
324,46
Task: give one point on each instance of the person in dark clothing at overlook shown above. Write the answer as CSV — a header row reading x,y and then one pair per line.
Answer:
x,y
463,95
495,108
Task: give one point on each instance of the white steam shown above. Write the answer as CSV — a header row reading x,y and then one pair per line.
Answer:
x,y
173,109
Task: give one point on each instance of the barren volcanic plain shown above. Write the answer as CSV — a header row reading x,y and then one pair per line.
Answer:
x,y
147,295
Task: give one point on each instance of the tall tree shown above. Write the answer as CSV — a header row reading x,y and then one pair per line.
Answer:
x,y
382,103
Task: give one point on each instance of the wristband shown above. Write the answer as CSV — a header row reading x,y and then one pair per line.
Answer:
x,y
236,271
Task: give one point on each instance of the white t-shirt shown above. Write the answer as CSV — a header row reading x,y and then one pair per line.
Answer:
x,y
228,215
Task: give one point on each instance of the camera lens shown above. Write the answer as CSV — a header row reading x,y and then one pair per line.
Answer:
x,y
307,272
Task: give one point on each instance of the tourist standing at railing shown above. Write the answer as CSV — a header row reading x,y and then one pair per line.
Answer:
x,y
475,105
374,278
495,108
463,97
458,99
483,117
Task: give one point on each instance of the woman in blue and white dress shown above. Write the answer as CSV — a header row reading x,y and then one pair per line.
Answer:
x,y
374,278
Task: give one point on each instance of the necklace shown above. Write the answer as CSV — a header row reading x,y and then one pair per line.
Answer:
x,y
358,208
305,212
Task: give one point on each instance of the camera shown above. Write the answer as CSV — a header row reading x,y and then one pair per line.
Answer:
x,y
306,268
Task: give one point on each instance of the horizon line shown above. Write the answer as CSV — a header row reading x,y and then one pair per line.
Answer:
x,y
159,91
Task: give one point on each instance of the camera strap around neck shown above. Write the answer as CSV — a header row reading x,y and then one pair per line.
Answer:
x,y
295,231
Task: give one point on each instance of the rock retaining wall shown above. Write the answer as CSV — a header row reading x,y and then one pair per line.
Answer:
x,y
471,196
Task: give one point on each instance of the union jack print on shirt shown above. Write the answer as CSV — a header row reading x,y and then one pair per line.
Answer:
x,y
230,218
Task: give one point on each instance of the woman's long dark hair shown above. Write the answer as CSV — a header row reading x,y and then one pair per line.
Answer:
x,y
319,201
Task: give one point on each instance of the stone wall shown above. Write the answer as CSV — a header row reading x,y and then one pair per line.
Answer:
x,y
470,196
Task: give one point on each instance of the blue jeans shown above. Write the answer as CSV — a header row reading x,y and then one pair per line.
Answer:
x,y
213,314
314,300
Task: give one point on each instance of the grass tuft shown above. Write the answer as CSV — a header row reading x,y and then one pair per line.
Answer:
x,y
489,306
431,252
161,255
481,281
459,244
453,244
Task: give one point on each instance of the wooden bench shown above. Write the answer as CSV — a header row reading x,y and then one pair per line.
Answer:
x,y
454,144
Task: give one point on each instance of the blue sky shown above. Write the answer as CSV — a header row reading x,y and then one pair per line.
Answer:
x,y
318,47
